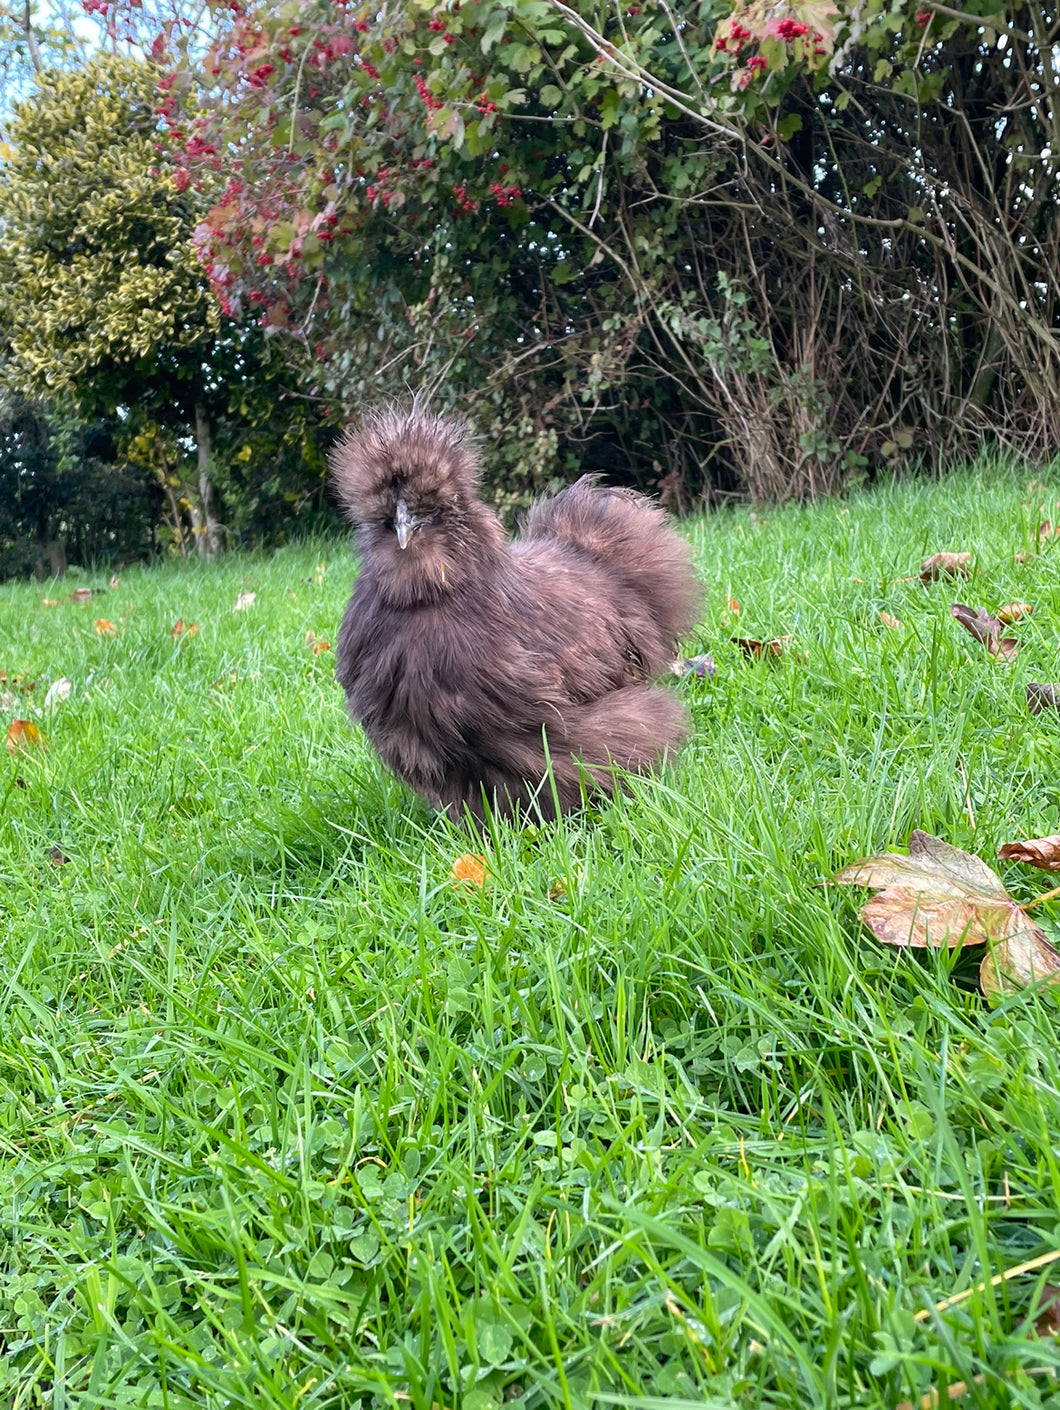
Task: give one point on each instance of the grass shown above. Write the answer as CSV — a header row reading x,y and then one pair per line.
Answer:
x,y
287,1119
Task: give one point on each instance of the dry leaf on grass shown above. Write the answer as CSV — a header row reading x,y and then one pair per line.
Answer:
x,y
939,895
1040,852
1042,696
733,606
1024,557
103,627
945,565
470,870
57,856
182,628
58,690
18,682
244,601
319,646
1013,611
701,667
81,595
892,622
1022,958
51,602
1047,1312
986,629
754,649
115,581
24,734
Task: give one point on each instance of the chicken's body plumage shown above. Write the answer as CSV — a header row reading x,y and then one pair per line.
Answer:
x,y
461,654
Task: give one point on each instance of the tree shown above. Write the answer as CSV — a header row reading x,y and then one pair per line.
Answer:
x,y
789,239
107,305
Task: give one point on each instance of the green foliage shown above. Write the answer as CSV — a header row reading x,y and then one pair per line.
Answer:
x,y
286,1120
506,203
107,302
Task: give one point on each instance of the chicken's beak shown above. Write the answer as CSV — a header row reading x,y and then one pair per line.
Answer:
x,y
403,524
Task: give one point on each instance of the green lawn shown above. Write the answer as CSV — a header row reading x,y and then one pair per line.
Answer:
x,y
288,1119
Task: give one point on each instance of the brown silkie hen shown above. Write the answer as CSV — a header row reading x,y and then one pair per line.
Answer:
x,y
461,653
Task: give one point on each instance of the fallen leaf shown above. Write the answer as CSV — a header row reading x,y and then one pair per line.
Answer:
x,y
103,627
558,890
18,682
57,856
945,565
1040,852
51,602
24,734
937,895
177,628
115,581
1045,530
245,600
230,679
1024,957
1013,611
1024,557
986,629
1047,1312
81,595
892,622
319,646
733,606
702,667
470,869
1041,696
754,649
58,690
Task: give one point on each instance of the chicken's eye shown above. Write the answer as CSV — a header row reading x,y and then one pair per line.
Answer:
x,y
388,525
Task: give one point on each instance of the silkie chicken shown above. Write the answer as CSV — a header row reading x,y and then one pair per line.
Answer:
x,y
472,662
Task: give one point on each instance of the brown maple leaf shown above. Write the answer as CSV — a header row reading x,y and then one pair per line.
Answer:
x,y
939,895
1042,696
1040,852
945,565
987,629
1013,611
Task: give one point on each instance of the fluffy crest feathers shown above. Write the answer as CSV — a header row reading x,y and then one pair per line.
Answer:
x,y
403,454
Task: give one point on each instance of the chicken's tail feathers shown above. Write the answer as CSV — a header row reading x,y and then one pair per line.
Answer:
x,y
391,448
635,728
634,537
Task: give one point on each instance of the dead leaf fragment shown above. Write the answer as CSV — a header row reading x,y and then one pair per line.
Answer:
x,y
1013,611
470,870
244,601
81,595
57,856
1047,1312
58,690
986,629
777,646
115,581
937,895
1040,852
24,734
51,602
182,628
892,622
1025,957
319,646
702,667
945,565
1024,557
1042,696
103,627
732,605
